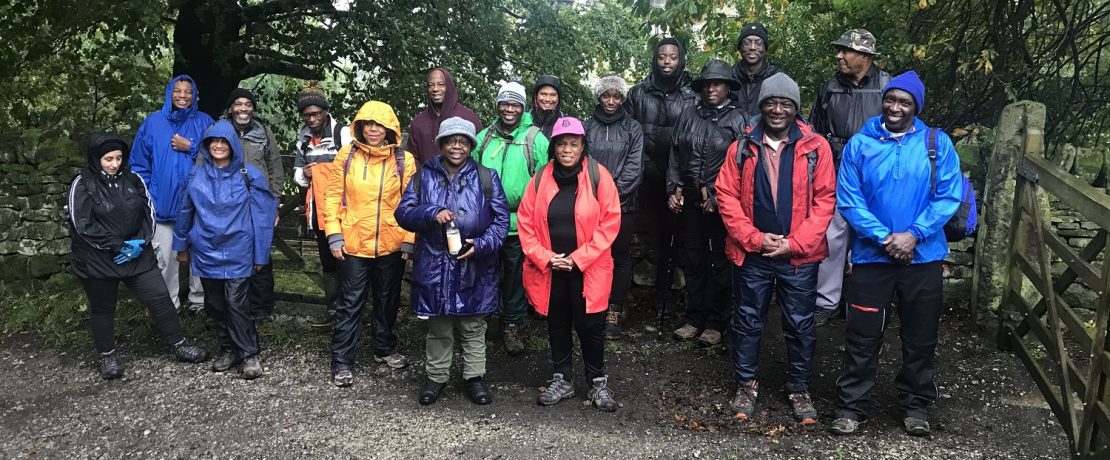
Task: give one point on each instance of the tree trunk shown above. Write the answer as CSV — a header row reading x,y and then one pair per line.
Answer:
x,y
205,37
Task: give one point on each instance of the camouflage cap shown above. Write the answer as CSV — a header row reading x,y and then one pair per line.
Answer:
x,y
859,40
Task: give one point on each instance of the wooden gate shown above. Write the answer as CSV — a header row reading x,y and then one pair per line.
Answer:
x,y
1072,370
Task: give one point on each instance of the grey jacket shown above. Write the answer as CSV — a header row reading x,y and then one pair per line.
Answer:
x,y
260,150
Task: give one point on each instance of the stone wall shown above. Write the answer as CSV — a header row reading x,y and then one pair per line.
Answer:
x,y
1077,232
34,236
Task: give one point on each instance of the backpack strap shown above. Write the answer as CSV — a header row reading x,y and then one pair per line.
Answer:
x,y
536,178
594,173
486,179
742,153
482,145
399,157
529,142
346,167
931,145
337,135
811,158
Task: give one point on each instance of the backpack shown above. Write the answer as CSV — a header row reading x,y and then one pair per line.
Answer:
x,y
484,177
398,157
963,223
591,169
529,144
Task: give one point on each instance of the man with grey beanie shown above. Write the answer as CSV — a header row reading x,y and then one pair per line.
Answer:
x,y
776,192
616,141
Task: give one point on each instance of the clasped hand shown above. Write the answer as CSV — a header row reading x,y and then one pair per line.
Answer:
x,y
130,251
775,246
900,246
561,262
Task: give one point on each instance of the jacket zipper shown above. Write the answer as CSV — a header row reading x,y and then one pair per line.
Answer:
x,y
378,223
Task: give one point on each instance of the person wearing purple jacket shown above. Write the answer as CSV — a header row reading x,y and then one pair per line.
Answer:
x,y
443,103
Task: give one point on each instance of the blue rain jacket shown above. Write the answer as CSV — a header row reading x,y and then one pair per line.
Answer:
x,y
226,219
442,285
153,158
883,187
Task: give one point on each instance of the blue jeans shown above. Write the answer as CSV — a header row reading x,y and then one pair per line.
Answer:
x,y
796,287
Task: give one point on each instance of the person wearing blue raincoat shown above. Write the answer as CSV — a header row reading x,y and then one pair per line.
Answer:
x,y
455,292
163,153
225,226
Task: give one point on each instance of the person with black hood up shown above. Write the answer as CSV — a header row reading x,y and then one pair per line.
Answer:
x,y
617,142
443,103
547,97
112,222
753,67
656,104
702,137
260,150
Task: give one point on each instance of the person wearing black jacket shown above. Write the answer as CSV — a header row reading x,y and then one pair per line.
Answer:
x,y
753,66
617,142
112,222
702,137
547,97
656,104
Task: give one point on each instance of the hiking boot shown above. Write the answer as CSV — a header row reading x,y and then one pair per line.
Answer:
x,y
613,321
686,332
601,396
395,360
845,425
743,403
196,309
224,360
916,426
109,366
510,336
185,351
804,412
557,390
430,393
477,392
343,378
252,368
822,317
709,338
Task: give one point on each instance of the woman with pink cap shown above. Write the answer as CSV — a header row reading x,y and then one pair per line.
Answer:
x,y
568,218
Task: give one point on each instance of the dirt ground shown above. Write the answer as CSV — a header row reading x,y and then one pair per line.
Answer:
x,y
674,404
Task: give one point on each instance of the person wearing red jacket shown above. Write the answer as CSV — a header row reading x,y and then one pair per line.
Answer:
x,y
776,203
567,220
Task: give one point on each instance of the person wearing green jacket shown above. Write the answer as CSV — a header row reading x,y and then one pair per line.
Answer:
x,y
513,147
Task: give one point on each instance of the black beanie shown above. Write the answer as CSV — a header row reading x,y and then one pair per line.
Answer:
x,y
753,28
112,145
238,93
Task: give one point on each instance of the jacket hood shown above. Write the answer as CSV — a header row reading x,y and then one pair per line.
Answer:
x,y
667,83
93,150
168,111
873,128
380,113
450,97
548,80
223,129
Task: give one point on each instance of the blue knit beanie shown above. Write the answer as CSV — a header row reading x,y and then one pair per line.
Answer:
x,y
910,83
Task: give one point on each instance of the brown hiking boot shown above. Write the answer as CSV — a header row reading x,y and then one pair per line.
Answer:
x,y
510,335
743,403
709,338
686,332
804,412
613,321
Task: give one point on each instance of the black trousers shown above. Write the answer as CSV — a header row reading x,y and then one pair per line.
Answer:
x,y
567,310
260,292
382,277
622,262
151,290
225,302
662,222
921,298
708,271
327,261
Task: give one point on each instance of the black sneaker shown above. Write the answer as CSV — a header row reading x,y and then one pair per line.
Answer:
x,y
224,360
601,396
557,390
343,378
430,393
916,426
477,391
845,425
109,366
822,317
187,352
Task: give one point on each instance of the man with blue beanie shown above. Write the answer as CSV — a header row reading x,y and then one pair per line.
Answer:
x,y
897,200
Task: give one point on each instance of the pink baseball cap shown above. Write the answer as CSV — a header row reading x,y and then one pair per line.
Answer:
x,y
567,125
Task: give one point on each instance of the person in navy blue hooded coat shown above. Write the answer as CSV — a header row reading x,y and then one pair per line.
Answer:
x,y
163,153
224,228
455,294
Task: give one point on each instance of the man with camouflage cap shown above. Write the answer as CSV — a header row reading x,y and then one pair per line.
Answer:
x,y
842,106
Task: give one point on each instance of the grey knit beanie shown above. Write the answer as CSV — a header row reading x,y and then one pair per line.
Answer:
x,y
511,92
611,82
781,85
456,125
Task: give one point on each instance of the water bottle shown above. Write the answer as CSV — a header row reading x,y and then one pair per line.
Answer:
x,y
454,239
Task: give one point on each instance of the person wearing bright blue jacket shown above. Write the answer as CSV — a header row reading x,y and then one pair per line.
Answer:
x,y
224,228
455,292
897,200
163,153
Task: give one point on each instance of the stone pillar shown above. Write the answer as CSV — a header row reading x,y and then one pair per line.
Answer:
x,y
1020,130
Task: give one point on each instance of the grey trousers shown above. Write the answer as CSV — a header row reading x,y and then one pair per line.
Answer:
x,y
169,266
830,274
440,346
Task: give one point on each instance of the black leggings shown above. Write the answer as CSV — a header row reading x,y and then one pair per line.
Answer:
x,y
151,290
622,261
567,309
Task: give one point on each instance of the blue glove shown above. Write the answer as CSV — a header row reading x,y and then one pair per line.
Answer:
x,y
133,248
122,258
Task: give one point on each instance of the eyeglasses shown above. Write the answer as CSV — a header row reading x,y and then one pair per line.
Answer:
x,y
457,140
752,43
310,115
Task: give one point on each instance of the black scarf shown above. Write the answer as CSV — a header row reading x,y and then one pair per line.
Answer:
x,y
544,119
564,175
608,118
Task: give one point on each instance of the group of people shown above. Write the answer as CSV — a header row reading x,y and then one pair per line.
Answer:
x,y
536,210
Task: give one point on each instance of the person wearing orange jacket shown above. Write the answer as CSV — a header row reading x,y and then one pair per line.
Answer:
x,y
567,220
776,193
370,176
